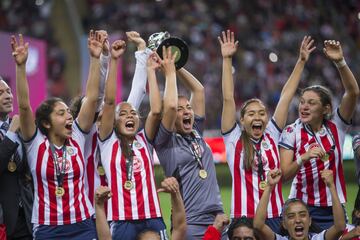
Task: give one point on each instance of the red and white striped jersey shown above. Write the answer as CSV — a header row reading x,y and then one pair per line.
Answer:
x,y
49,209
307,184
92,177
140,202
246,193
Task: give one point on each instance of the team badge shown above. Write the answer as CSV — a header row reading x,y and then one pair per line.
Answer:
x,y
322,132
71,151
289,129
265,145
137,144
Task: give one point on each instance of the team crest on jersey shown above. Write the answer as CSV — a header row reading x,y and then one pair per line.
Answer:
x,y
289,129
137,144
265,145
322,132
137,164
71,151
313,145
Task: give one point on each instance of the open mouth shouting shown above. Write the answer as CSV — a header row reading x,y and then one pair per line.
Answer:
x,y
130,125
68,126
257,129
299,231
187,123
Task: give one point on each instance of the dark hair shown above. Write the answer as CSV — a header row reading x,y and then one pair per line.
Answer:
x,y
245,138
312,228
241,222
141,234
324,94
75,106
43,112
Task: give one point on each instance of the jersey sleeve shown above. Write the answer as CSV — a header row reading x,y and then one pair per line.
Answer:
x,y
230,140
287,137
274,130
138,86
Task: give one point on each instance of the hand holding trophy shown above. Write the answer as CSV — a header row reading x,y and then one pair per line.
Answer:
x,y
158,40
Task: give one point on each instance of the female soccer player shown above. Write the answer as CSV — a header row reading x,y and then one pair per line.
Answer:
x,y
296,219
54,145
314,142
127,155
184,154
251,148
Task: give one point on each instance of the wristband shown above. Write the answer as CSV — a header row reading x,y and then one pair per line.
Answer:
x,y
341,63
299,161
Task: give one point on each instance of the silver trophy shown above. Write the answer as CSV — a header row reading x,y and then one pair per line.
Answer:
x,y
158,40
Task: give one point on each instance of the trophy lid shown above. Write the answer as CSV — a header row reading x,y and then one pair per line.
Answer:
x,y
155,39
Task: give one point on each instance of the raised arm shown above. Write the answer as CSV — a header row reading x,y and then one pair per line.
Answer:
x,y
197,99
104,65
154,116
88,108
170,92
20,54
264,230
138,85
107,120
335,231
170,185
102,194
228,49
289,89
333,52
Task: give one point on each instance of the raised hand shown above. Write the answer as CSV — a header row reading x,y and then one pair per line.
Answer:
x,y
220,222
136,38
306,48
106,45
333,50
154,61
15,124
169,185
273,177
20,49
168,61
327,176
117,48
228,44
102,194
96,41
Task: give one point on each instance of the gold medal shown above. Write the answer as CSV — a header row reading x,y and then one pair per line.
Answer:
x,y
128,185
12,166
262,185
101,170
203,173
325,157
59,191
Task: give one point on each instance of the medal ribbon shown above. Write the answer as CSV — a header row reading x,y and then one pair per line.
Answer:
x,y
98,155
195,148
332,148
60,171
129,163
257,151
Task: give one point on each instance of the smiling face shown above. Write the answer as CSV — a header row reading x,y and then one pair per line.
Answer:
x,y
254,119
126,120
61,121
185,117
311,109
297,221
6,99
